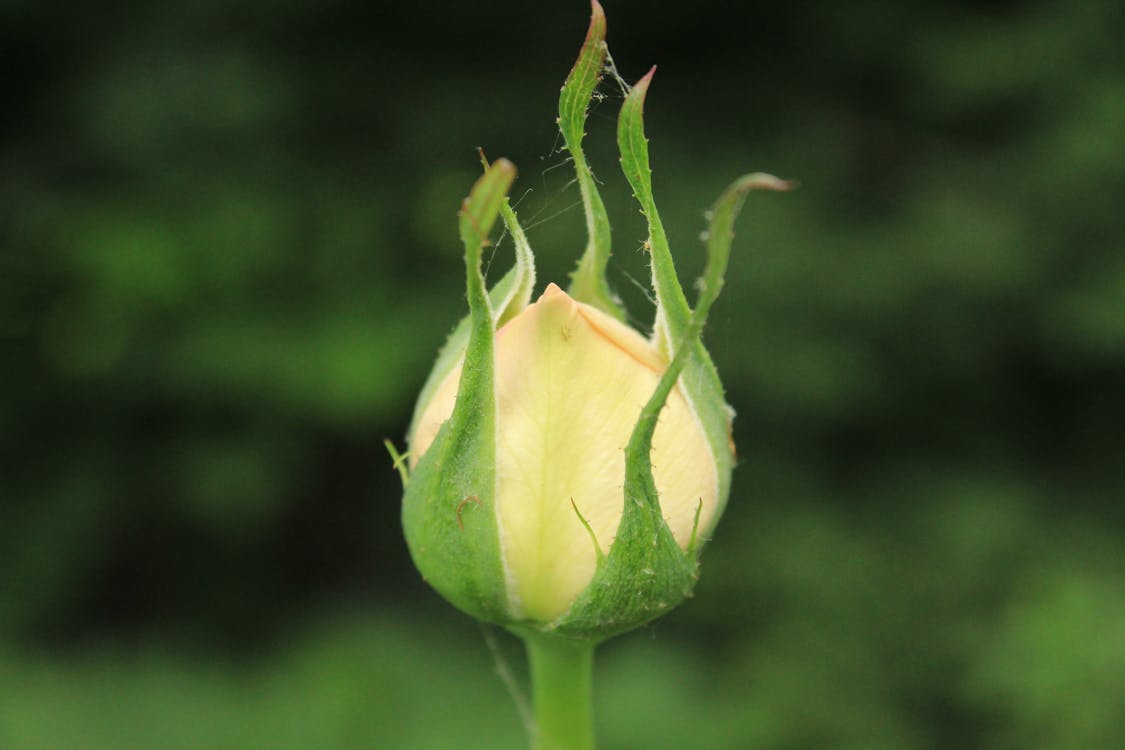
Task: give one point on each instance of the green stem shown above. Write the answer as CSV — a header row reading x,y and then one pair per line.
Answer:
x,y
562,681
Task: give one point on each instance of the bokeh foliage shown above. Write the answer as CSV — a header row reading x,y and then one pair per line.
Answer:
x,y
228,254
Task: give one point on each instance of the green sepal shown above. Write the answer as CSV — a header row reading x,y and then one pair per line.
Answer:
x,y
509,298
448,512
700,380
645,573
510,295
588,280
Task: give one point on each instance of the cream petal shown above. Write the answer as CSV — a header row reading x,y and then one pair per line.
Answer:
x,y
571,382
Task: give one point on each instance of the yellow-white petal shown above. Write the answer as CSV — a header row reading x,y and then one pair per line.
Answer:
x,y
570,383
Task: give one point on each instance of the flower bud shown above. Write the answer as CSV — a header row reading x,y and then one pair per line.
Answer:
x,y
570,385
563,470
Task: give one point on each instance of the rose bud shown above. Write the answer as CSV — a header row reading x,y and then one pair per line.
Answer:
x,y
562,470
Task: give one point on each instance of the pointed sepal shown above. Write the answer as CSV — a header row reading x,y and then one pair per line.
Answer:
x,y
646,572
507,298
588,281
448,512
700,380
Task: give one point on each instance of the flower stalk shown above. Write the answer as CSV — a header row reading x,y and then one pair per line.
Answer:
x,y
562,683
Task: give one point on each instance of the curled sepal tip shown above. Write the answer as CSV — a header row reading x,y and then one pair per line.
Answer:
x,y
720,231
507,298
513,292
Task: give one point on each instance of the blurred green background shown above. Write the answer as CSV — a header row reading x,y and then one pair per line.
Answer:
x,y
228,255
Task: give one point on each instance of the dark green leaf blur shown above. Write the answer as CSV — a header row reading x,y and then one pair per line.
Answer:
x,y
228,255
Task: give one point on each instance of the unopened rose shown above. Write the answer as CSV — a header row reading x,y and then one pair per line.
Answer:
x,y
570,385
